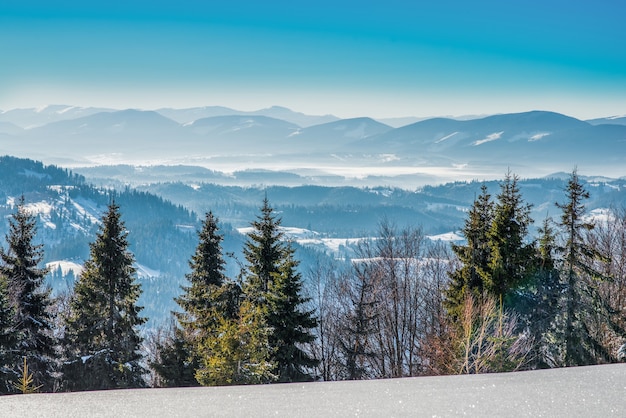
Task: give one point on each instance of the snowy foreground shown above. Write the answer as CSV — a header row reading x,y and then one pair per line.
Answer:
x,y
598,391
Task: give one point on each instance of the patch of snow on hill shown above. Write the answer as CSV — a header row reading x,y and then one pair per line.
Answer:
x,y
600,215
537,137
144,272
387,158
448,236
67,109
66,267
492,137
332,245
43,210
445,137
290,232
87,208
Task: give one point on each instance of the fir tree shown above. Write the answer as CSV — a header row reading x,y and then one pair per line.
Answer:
x,y
29,297
511,260
263,251
475,255
274,285
210,297
539,300
291,324
210,289
101,337
240,352
581,302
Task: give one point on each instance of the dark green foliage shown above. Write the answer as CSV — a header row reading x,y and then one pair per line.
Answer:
x,y
9,356
291,324
582,304
102,342
264,252
475,255
511,260
29,297
273,284
496,259
174,364
538,301
209,296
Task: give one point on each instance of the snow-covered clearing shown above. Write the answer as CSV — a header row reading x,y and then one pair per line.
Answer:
x,y
448,236
570,392
66,266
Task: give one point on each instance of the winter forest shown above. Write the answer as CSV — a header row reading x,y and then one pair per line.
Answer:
x,y
502,300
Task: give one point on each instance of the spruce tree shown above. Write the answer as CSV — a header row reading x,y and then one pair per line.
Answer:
x,y
538,301
582,304
239,353
511,261
210,297
102,340
475,255
274,285
210,290
264,252
29,298
291,324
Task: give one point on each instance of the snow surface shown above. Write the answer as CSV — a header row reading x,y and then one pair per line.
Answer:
x,y
569,392
66,266
537,137
445,137
489,138
448,236
145,272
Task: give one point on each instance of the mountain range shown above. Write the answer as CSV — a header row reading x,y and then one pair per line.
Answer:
x,y
531,143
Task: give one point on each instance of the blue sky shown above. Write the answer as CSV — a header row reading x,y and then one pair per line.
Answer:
x,y
380,59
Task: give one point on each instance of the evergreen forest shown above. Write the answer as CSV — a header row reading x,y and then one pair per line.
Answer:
x,y
510,296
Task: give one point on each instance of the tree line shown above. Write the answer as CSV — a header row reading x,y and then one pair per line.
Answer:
x,y
404,306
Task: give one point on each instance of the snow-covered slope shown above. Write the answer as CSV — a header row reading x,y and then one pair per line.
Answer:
x,y
595,391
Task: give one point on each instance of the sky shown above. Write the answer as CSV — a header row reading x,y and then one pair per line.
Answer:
x,y
348,58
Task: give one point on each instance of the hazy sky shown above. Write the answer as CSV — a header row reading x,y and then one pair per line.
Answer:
x,y
349,58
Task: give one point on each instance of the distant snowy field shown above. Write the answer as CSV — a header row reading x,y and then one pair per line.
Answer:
x,y
314,239
594,391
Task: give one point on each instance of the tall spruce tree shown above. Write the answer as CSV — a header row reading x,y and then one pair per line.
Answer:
x,y
210,298
511,260
582,303
264,252
102,341
292,325
29,297
475,255
538,301
210,291
274,285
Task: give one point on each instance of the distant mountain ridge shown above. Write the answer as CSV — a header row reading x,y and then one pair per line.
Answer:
x,y
270,138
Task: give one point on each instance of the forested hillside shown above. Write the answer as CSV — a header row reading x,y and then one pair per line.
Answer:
x,y
533,278
68,210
